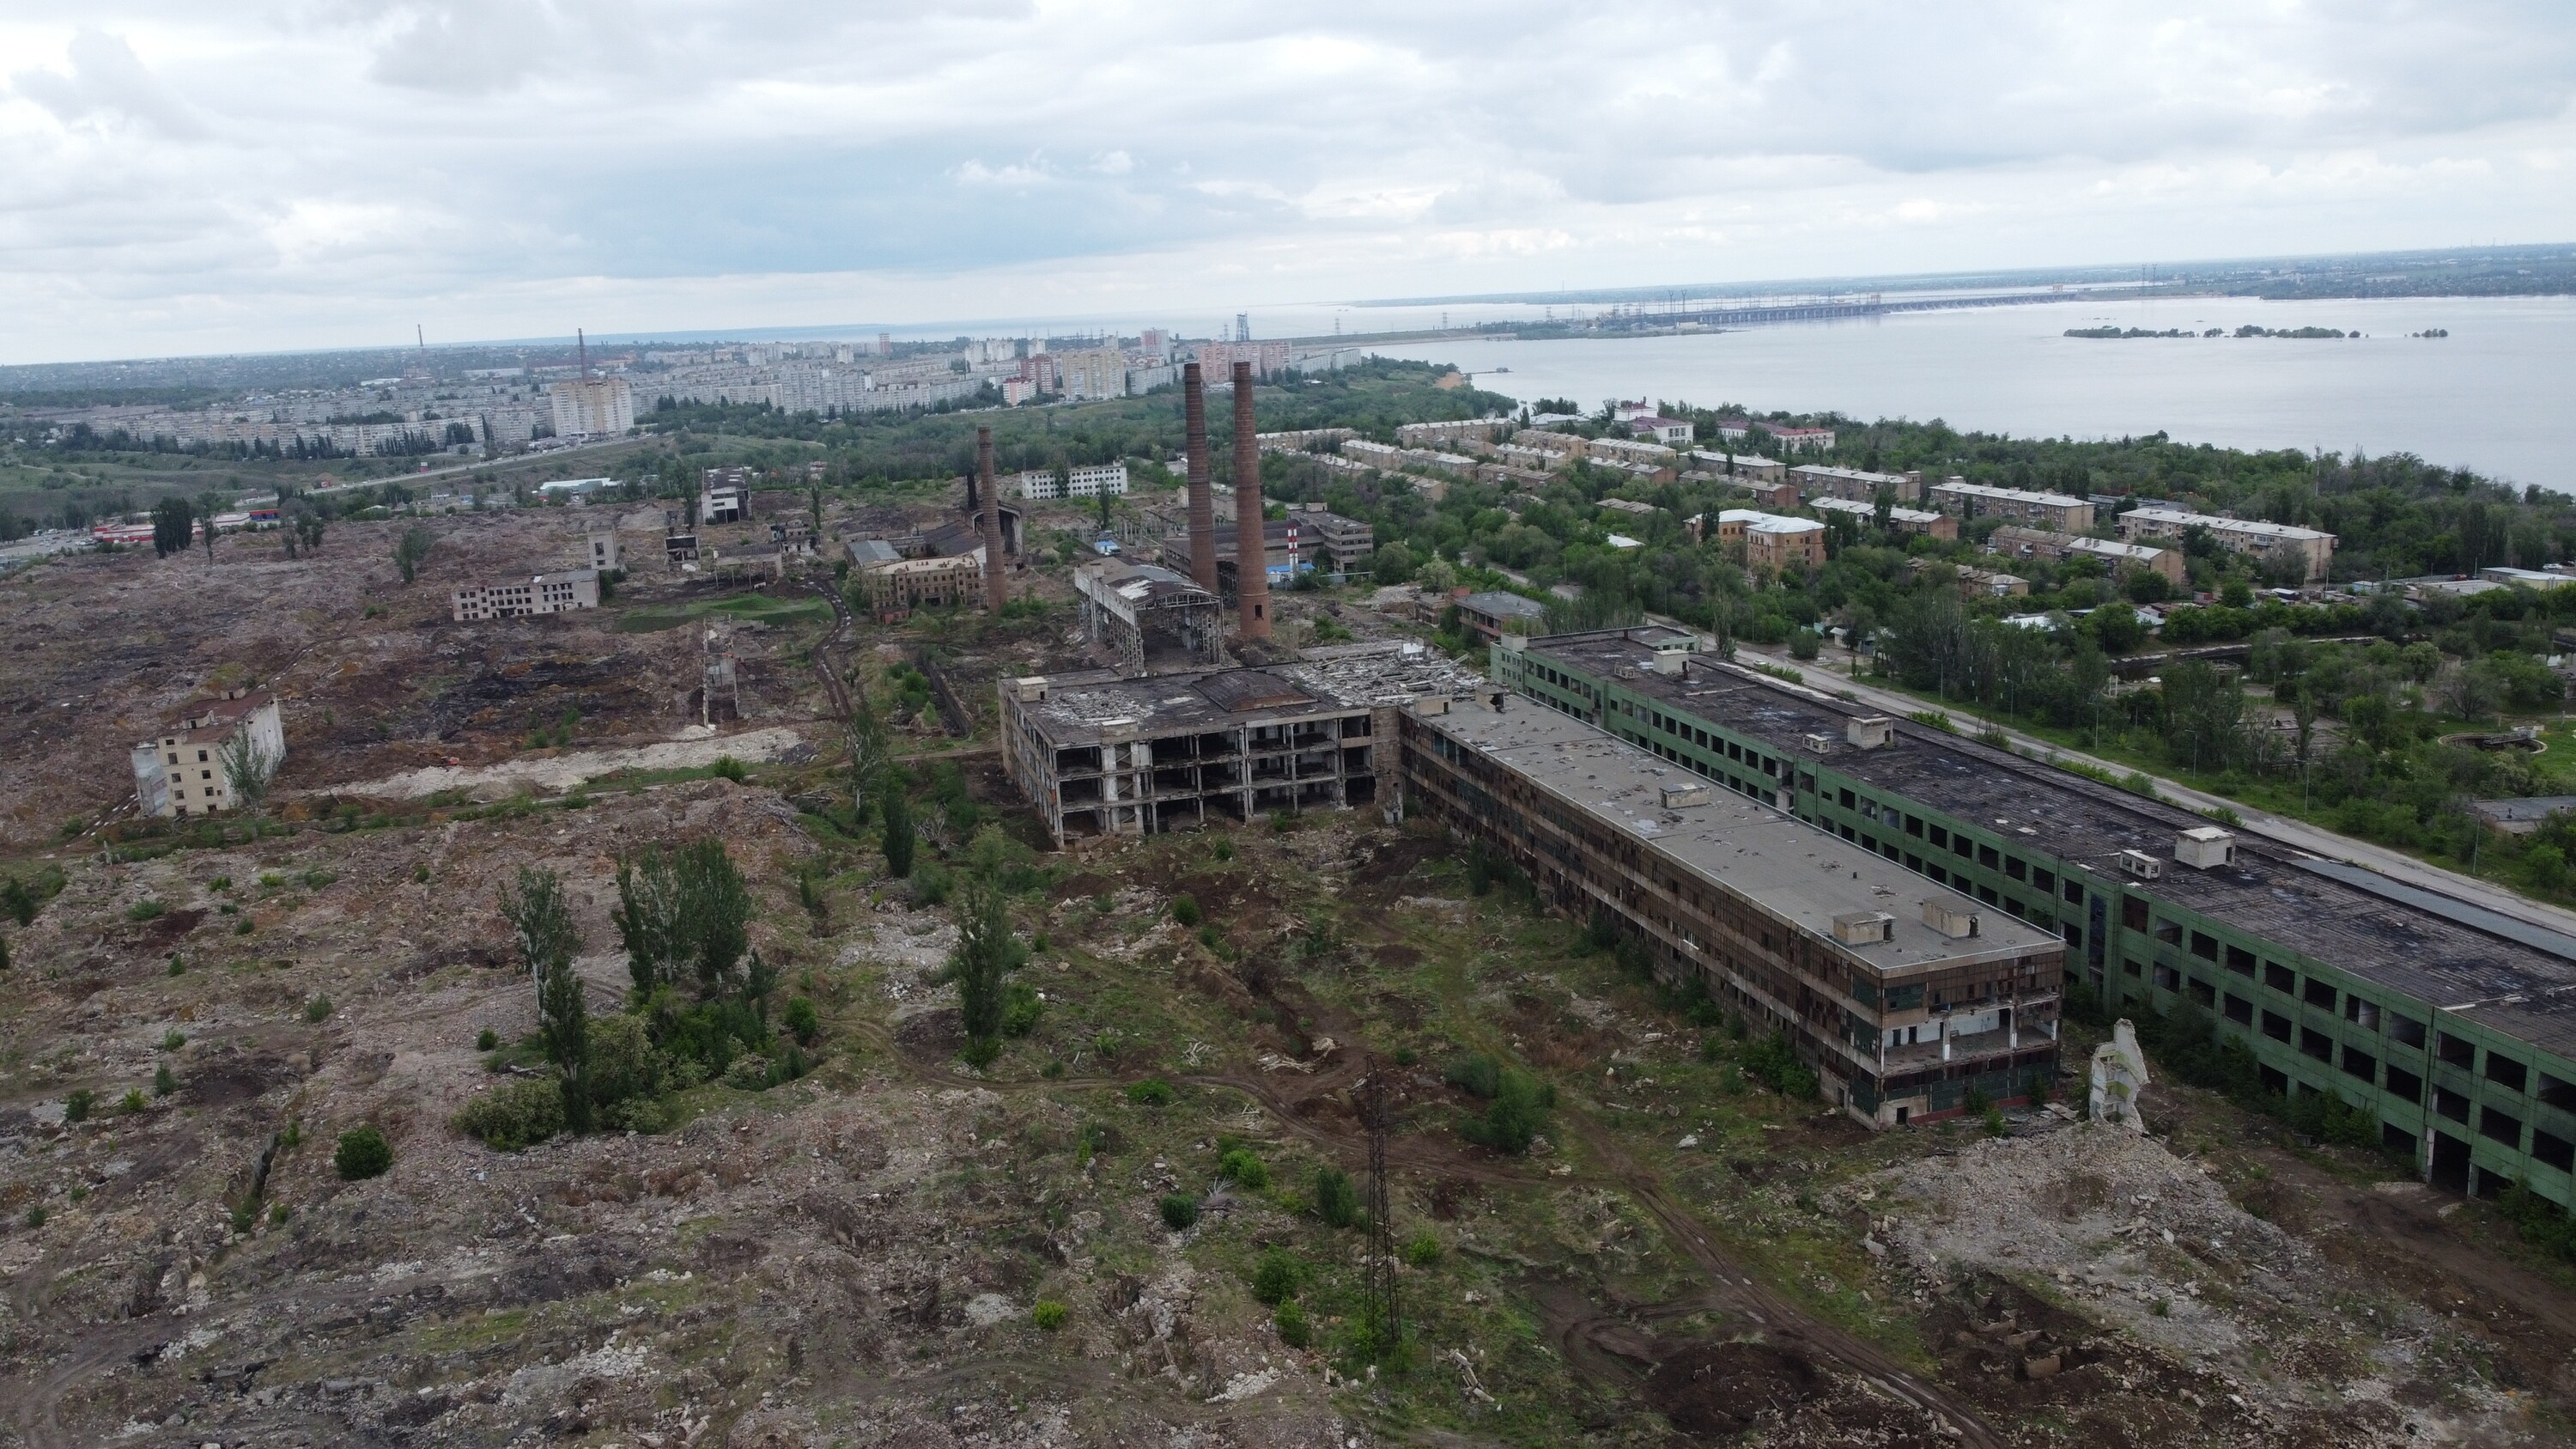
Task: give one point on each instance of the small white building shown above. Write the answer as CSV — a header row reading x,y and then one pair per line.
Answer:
x,y
601,549
184,770
1090,481
543,594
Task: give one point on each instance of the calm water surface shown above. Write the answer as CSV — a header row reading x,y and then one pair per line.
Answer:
x,y
2497,395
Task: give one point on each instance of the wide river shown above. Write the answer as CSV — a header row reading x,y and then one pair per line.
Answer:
x,y
2498,395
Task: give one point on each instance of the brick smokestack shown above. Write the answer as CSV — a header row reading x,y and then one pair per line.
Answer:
x,y
995,594
1202,495
1251,555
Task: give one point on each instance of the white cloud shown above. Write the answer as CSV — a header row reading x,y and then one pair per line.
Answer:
x,y
179,177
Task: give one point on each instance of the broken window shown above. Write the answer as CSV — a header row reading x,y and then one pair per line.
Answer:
x,y
2279,977
2046,880
2501,1127
1914,825
2458,1051
1962,847
2558,1093
2203,992
2358,1063
2314,1043
2553,1150
2133,913
2450,1104
1846,798
2364,1014
2204,945
2507,1073
2405,1030
2240,960
1986,856
2319,993
2405,1084
2169,932
2133,968
1940,837
2074,891
2014,869
2238,1009
2276,1026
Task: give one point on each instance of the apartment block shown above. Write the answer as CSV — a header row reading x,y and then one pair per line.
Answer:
x,y
2055,512
592,406
1630,450
1102,755
182,770
1907,996
2449,1024
1902,520
1090,481
2306,549
1770,540
1450,433
2117,556
1818,481
553,593
1747,468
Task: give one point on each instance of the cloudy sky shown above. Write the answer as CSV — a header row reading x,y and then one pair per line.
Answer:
x,y
185,176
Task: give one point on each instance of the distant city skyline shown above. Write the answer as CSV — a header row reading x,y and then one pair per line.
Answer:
x,y
186,180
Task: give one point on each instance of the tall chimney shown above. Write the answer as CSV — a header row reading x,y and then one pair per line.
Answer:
x,y
1202,496
1251,556
995,594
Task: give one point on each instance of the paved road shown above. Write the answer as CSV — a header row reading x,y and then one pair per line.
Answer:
x,y
2297,834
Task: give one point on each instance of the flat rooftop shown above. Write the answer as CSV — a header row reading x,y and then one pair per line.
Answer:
x,y
2272,890
1100,704
1793,870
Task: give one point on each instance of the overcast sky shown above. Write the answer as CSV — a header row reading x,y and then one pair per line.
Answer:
x,y
183,176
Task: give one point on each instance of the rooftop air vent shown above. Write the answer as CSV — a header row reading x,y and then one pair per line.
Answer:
x,y
1871,732
1817,743
1029,689
2142,865
1864,928
2206,848
1670,661
1677,797
1955,922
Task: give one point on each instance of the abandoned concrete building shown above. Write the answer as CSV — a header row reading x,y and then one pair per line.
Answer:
x,y
2451,1025
1310,537
1905,996
896,587
1100,754
541,594
1132,613
187,768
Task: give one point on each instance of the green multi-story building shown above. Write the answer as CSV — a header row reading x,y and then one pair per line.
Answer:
x,y
2453,1026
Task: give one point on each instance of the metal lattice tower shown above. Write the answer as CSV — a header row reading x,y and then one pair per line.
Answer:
x,y
1386,1323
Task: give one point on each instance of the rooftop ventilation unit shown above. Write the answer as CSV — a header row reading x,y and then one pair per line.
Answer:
x,y
1431,705
1817,743
1952,921
1670,661
1029,689
1864,928
2142,865
1677,797
1871,732
2206,848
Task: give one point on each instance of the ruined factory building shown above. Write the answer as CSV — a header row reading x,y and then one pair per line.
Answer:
x,y
1103,755
184,770
542,594
2454,1027
1904,995
1132,612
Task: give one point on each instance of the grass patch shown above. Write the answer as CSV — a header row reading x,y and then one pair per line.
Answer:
x,y
748,608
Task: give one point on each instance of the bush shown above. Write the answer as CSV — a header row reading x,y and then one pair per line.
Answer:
x,y
803,1022
364,1153
132,1102
1336,1201
1774,1064
1516,1117
36,1216
1478,1075
1274,1277
1185,909
1152,1092
173,1039
1179,1210
316,1009
1424,1250
517,1114
1020,1009
144,910
487,1040
727,767
1048,1314
981,1052
1290,1320
1241,1168
76,1106
163,1081
750,1072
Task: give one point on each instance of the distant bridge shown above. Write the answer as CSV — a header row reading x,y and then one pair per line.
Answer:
x,y
1873,305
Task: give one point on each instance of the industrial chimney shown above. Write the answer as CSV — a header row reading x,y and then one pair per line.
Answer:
x,y
1251,555
995,595
1202,496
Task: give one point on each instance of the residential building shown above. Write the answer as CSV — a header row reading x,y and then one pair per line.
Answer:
x,y
1095,373
1629,450
2440,1019
1217,359
1770,540
1899,520
1490,614
1910,999
2117,556
1797,439
2306,551
592,407
553,593
1562,447
184,770
1748,468
1774,496
1818,481
1452,432
895,589
2054,512
1303,440
1089,481
1651,428
1102,755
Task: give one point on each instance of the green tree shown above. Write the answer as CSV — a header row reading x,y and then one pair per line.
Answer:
x,y
647,918
898,834
987,951
548,940
362,1153
172,523
871,751
249,766
410,549
715,911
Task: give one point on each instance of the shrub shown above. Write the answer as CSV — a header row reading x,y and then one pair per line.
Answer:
x,y
173,1039
1179,1210
36,1216
1152,1092
727,767
279,1212
1424,1250
981,1052
1224,849
1336,1201
1478,1075
1020,1009
1773,1063
316,1009
803,1022
1243,1169
1048,1314
178,964
1274,1277
364,1153
163,1082
1994,1121
76,1106
750,1071
1516,1117
1290,1320
1185,909
487,1040
132,1102
518,1114
144,910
